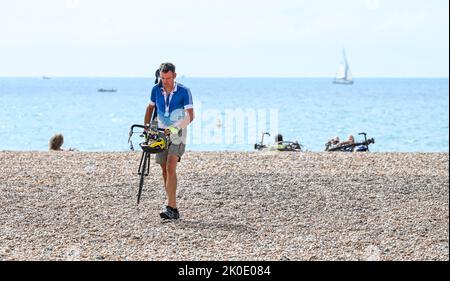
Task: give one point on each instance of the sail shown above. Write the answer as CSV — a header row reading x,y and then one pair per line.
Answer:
x,y
343,74
349,76
340,73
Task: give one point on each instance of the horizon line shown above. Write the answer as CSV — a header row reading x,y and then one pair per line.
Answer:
x,y
233,77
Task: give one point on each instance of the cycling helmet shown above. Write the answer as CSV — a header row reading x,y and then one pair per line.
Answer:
x,y
155,143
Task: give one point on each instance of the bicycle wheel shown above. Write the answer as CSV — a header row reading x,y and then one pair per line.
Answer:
x,y
141,181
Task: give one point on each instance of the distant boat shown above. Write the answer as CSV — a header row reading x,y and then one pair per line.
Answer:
x,y
107,90
45,77
343,74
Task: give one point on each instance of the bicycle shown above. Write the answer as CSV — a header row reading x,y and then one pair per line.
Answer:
x,y
155,141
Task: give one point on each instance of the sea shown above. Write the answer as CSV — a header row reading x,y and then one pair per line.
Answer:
x,y
231,114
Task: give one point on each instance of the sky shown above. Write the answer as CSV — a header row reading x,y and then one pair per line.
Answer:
x,y
224,38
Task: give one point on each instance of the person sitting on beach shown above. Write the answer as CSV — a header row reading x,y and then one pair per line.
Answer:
x,y
56,142
278,145
282,145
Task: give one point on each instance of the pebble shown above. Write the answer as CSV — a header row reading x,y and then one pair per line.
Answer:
x,y
233,205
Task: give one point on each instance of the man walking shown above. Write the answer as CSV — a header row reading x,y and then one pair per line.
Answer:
x,y
175,111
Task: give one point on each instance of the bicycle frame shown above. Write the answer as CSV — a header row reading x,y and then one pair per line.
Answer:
x,y
144,164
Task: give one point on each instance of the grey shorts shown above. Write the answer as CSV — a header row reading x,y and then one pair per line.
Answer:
x,y
174,149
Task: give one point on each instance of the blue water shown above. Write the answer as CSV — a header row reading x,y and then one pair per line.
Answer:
x,y
405,115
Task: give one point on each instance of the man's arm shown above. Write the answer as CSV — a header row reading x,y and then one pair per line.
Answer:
x,y
181,124
187,119
148,114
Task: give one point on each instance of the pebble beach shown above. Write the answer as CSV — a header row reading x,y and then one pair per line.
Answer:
x,y
258,206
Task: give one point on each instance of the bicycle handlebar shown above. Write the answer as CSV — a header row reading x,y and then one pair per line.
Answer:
x,y
144,127
130,134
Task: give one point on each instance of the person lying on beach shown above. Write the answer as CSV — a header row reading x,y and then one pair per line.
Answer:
x,y
56,142
350,140
335,142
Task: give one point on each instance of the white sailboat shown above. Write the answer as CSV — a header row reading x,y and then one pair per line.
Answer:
x,y
343,74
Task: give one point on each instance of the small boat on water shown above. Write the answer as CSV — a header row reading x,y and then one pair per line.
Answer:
x,y
107,90
343,74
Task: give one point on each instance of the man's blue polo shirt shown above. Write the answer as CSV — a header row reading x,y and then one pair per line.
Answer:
x,y
180,100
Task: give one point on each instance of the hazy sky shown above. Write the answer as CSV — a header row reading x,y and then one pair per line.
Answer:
x,y
224,38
